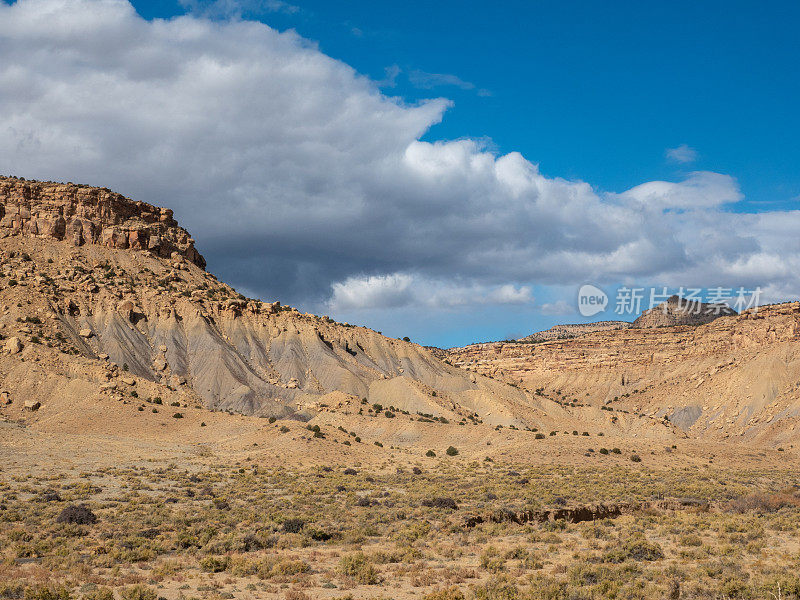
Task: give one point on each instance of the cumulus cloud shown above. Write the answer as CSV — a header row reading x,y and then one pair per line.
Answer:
x,y
303,182
403,289
682,154
700,190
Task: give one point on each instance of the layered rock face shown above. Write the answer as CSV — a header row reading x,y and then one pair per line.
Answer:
x,y
563,332
735,376
82,215
88,273
679,311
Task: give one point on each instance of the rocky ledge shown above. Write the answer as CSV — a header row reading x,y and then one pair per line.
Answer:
x,y
81,214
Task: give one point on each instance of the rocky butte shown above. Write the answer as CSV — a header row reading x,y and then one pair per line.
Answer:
x,y
79,214
109,293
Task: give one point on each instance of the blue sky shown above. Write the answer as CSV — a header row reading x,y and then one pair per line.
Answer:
x,y
448,171
590,90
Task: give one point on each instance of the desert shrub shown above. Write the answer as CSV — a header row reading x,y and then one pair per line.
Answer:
x,y
691,539
77,515
100,593
293,525
359,568
638,549
497,588
603,450
214,564
451,593
272,567
416,471
138,592
539,436
430,454
765,503
448,503
636,458
452,451
616,451
51,496
43,592
492,561
320,536
350,472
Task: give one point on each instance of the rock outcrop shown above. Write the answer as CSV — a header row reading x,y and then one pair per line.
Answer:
x,y
588,512
81,215
86,272
735,376
572,330
679,311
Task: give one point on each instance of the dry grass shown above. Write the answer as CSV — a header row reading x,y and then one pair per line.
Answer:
x,y
236,532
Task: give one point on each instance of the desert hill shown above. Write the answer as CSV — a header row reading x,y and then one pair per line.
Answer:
x,y
110,293
571,330
735,377
679,311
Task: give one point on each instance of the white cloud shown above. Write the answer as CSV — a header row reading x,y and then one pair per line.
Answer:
x,y
701,190
682,154
377,291
402,289
302,181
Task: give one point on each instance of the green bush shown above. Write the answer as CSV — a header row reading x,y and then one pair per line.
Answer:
x,y
42,592
359,568
138,592
214,564
452,451
637,549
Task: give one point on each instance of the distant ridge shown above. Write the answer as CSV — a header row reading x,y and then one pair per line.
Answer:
x,y
680,311
572,330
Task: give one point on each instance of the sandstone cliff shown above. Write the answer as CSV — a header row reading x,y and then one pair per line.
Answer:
x,y
679,311
85,272
80,215
734,377
571,330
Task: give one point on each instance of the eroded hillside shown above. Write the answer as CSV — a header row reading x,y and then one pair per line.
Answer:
x,y
738,376
90,277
